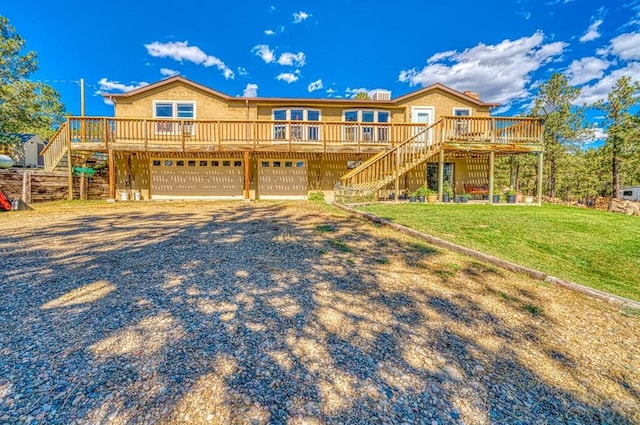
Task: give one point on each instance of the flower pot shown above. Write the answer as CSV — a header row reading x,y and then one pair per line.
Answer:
x,y
446,198
511,199
412,199
464,199
496,199
432,198
421,198
457,200
528,199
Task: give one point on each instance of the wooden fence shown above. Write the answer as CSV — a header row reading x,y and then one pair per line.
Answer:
x,y
36,186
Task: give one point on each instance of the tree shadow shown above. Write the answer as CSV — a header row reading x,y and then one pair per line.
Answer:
x,y
269,313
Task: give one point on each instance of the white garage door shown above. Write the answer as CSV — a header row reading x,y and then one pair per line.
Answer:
x,y
175,178
282,178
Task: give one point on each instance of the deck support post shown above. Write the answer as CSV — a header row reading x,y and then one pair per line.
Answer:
x,y
540,172
246,175
440,174
396,188
492,156
112,174
69,168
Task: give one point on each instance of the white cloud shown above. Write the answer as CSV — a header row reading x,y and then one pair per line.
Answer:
x,y
626,46
592,33
292,59
500,72
264,52
599,90
585,70
181,51
316,85
168,72
300,16
289,77
251,90
352,93
106,85
242,71
269,32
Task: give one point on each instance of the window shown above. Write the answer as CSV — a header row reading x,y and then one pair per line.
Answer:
x,y
174,110
276,164
297,132
192,163
237,163
463,125
156,162
215,163
203,163
168,163
226,163
179,163
378,131
265,164
432,174
288,164
299,164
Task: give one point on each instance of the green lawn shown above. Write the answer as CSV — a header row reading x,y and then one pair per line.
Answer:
x,y
593,248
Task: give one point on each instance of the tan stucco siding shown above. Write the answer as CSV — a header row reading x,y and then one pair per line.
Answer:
x,y
208,106
443,103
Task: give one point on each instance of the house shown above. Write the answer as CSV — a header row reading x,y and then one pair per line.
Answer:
x,y
26,152
177,139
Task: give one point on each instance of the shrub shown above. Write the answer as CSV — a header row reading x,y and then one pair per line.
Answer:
x,y
316,196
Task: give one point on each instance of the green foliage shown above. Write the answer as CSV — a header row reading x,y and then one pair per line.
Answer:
x,y
447,189
25,106
623,141
362,95
564,123
317,196
593,248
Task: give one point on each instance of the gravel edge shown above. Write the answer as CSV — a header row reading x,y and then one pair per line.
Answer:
x,y
507,265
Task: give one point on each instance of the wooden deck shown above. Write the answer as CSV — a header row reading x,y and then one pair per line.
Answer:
x,y
103,134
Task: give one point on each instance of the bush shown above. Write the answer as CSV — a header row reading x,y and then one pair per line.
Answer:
x,y
316,196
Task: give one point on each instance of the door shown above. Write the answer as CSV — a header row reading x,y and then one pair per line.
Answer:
x,y
422,115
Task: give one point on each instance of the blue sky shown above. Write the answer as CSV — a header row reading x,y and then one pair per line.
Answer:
x,y
501,49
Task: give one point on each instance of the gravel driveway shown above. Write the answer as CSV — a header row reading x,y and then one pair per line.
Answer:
x,y
172,312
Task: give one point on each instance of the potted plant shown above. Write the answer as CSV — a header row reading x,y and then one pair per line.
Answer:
x,y
528,199
413,196
447,192
511,196
422,192
464,197
497,193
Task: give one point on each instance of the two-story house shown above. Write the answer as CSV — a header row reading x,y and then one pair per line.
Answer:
x,y
177,139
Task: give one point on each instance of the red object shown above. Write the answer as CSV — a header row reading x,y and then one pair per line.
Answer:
x,y
4,202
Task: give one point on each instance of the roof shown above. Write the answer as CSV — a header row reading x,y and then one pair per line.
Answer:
x,y
392,102
22,137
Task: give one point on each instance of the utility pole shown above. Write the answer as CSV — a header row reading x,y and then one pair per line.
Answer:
x,y
82,97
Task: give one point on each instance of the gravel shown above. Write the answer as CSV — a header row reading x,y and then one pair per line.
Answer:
x,y
255,313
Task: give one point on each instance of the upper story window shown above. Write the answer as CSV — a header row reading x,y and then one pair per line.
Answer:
x,y
366,133
463,126
299,132
174,110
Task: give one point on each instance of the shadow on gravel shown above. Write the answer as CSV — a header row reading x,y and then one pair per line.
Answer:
x,y
272,314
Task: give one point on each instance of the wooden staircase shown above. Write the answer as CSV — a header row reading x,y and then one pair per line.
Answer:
x,y
384,167
56,154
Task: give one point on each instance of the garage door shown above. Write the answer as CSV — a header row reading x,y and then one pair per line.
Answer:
x,y
282,178
196,178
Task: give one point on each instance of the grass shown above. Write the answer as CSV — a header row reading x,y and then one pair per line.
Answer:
x,y
593,248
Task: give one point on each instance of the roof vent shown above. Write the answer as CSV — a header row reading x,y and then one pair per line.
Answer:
x,y
381,95
472,94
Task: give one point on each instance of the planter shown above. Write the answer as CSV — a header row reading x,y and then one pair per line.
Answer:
x,y
446,198
464,199
412,199
528,199
496,199
511,199
421,198
457,200
432,198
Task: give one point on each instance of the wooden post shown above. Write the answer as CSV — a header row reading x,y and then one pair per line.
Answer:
x,y
145,134
491,172
70,168
112,174
397,181
246,174
83,188
440,174
26,188
540,172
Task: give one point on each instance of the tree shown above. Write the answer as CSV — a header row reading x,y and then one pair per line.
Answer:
x,y
623,127
25,106
564,123
362,95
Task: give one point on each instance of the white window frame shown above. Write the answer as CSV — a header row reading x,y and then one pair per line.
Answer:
x,y
378,130
462,125
170,128
432,117
286,129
